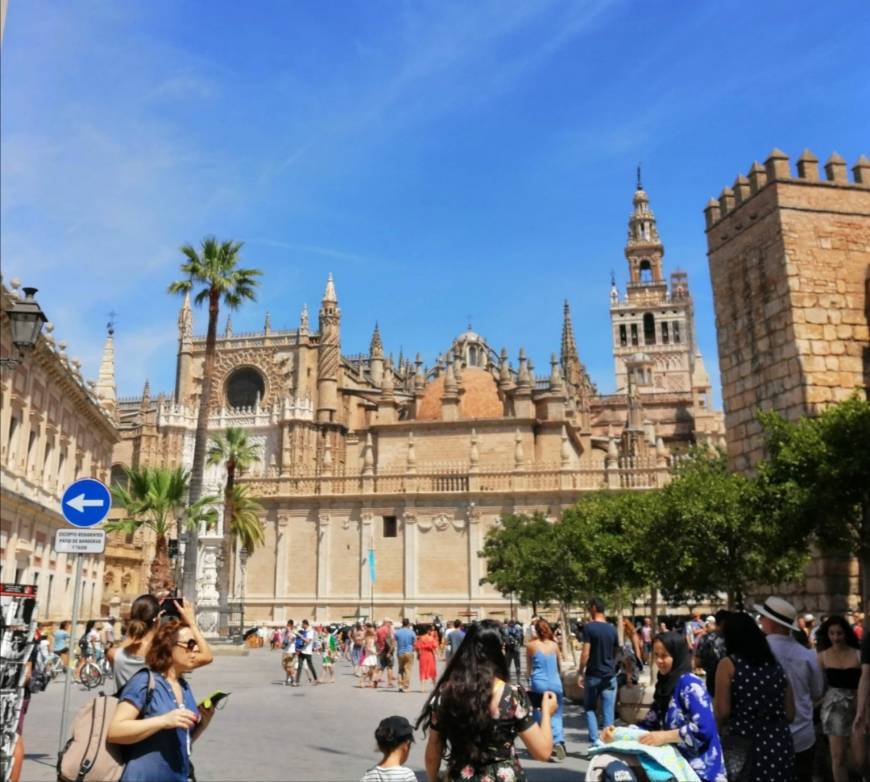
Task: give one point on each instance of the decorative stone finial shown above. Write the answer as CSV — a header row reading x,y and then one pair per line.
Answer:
x,y
329,294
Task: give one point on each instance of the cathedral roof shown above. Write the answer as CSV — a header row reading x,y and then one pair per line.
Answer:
x,y
479,399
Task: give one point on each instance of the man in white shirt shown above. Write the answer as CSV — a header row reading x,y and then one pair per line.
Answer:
x,y
778,619
304,654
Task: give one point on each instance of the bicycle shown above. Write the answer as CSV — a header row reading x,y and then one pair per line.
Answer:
x,y
54,666
90,675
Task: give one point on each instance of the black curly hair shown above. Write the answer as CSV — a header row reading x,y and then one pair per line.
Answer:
x,y
459,706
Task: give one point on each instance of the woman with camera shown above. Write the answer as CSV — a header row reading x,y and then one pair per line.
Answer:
x,y
145,613
157,718
474,714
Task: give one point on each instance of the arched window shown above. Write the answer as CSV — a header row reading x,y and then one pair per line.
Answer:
x,y
118,475
645,270
634,333
677,331
649,329
244,387
623,336
473,359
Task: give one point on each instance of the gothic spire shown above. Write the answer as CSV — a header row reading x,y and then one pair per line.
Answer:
x,y
376,347
329,294
569,346
105,388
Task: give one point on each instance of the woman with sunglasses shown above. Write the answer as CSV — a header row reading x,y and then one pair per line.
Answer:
x,y
158,728
145,613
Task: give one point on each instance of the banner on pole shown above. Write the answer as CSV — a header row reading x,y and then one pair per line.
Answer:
x,y
372,564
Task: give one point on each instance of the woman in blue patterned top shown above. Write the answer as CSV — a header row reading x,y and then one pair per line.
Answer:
x,y
681,713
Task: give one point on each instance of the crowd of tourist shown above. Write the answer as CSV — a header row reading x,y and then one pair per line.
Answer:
x,y
737,696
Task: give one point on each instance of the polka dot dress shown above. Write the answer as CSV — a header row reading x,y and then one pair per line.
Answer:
x,y
758,713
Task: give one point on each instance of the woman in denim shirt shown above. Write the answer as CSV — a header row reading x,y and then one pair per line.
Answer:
x,y
157,743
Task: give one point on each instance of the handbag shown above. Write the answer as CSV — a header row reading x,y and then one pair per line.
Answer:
x,y
737,754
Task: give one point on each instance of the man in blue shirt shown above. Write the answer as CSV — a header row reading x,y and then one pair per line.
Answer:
x,y
454,639
598,663
405,639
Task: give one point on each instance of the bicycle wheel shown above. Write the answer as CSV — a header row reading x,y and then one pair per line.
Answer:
x,y
90,676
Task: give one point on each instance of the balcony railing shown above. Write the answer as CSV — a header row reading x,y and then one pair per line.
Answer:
x,y
624,473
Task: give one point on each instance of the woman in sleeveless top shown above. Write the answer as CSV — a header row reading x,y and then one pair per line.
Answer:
x,y
840,661
545,674
474,715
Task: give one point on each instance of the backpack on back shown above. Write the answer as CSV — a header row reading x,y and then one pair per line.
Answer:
x,y
88,755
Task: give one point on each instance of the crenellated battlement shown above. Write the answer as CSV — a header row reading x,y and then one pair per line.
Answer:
x,y
777,168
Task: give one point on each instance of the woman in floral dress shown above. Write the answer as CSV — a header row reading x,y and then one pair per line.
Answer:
x,y
474,715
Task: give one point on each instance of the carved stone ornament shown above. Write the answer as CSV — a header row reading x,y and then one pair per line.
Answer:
x,y
459,523
441,522
409,516
424,524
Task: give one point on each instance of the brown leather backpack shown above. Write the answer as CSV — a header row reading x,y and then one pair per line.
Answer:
x,y
88,756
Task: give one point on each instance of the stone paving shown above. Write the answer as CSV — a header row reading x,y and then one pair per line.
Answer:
x,y
271,732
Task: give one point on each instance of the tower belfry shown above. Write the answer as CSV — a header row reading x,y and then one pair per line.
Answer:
x,y
653,323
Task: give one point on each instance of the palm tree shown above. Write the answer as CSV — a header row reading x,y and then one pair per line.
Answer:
x,y
154,497
232,448
215,271
246,527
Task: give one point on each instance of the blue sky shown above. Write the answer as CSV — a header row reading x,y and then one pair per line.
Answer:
x,y
442,159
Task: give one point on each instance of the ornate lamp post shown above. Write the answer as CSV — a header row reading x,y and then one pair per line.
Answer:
x,y
26,320
243,563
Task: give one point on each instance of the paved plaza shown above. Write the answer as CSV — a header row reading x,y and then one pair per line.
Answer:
x,y
271,732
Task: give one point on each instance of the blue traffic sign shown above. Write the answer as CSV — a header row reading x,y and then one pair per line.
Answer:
x,y
86,502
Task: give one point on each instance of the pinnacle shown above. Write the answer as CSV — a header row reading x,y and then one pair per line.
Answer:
x,y
329,294
376,347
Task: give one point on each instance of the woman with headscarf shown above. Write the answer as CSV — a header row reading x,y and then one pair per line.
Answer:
x,y
681,713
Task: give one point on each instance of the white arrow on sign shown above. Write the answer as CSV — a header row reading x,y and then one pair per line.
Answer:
x,y
80,503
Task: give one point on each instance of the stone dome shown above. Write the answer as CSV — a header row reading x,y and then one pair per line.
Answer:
x,y
479,397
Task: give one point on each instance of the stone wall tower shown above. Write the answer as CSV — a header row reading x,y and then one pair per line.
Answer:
x,y
328,355
789,258
654,321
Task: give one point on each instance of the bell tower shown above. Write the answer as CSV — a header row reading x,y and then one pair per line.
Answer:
x,y
653,323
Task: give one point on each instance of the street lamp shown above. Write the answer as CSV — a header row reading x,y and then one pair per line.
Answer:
x,y
26,320
243,562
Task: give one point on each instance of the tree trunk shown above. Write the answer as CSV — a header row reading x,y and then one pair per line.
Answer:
x,y
654,611
567,636
160,572
200,444
226,551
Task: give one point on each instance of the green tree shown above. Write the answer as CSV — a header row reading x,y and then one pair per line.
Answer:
x,y
517,553
816,480
233,449
154,497
215,271
719,538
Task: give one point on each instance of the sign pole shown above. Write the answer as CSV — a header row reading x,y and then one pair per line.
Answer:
x,y
77,596
84,503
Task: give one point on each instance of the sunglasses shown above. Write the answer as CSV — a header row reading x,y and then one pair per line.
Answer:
x,y
190,644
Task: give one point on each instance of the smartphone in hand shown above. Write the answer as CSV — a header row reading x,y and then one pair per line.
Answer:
x,y
213,700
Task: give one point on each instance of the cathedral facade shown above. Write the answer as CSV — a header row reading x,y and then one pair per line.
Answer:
x,y
380,480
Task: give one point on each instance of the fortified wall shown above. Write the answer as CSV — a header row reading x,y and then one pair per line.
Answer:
x,y
789,263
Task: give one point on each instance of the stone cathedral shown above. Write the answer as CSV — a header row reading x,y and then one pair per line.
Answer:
x,y
417,462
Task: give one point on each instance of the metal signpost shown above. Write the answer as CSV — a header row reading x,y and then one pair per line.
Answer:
x,y
84,503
